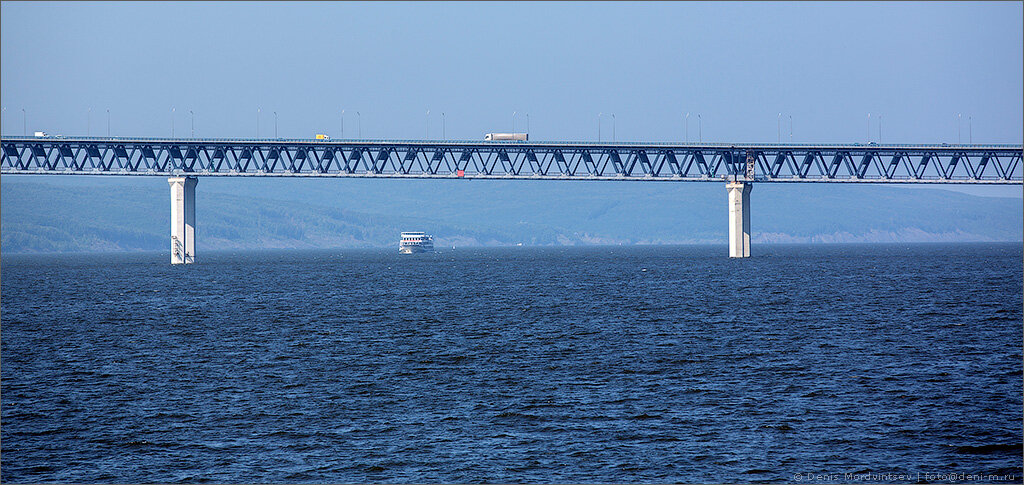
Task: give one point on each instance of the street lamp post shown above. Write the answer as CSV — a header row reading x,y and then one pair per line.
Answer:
x,y
700,128
599,127
686,128
527,123
192,117
779,123
426,127
258,111
879,129
790,129
108,122
24,122
343,123
443,135
513,122
613,126
275,124
970,130
958,118
88,124
869,127
359,122
172,122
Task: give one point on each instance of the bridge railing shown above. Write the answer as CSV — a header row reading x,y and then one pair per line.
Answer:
x,y
604,144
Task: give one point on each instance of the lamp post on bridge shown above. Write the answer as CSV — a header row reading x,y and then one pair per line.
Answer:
x,y
613,126
172,122
700,128
24,122
192,130
108,122
426,127
275,124
343,123
686,128
513,122
359,122
791,129
527,123
258,111
599,127
443,135
88,123
970,130
779,123
958,118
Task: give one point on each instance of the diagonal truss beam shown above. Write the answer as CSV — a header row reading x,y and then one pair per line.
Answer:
x,y
544,160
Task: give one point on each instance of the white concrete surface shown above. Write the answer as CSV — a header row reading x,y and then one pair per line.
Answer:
x,y
183,219
739,219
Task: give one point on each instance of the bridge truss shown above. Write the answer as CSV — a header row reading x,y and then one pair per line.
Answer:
x,y
974,164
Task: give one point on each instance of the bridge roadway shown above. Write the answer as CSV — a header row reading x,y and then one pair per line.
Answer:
x,y
738,164
973,164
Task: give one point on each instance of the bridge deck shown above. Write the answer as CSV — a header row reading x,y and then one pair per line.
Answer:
x,y
901,163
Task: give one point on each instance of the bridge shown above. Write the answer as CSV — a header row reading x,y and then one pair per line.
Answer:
x,y
738,165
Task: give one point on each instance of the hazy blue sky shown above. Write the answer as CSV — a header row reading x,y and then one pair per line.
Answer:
x,y
917,65
914,65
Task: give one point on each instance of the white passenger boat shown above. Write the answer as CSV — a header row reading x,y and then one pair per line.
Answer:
x,y
416,242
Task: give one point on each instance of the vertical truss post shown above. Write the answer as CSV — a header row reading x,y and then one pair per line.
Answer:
x,y
183,219
751,159
739,219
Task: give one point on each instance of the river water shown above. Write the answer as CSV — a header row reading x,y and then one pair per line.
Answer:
x,y
593,364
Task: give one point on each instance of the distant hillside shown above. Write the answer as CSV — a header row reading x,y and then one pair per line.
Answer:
x,y
37,217
639,212
104,214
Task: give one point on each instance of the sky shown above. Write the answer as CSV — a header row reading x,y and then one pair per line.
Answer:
x,y
900,72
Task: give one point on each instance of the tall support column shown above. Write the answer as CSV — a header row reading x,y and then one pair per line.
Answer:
x,y
739,219
183,219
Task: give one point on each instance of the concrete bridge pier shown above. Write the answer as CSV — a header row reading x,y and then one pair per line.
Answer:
x,y
183,219
739,219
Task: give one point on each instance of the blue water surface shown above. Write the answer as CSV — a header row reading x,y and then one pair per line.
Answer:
x,y
567,364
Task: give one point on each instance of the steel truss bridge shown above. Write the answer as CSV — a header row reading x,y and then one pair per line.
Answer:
x,y
973,164
739,165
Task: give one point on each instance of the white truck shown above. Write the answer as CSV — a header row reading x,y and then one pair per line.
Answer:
x,y
507,137
41,134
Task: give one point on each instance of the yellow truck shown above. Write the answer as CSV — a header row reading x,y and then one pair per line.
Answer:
x,y
321,137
